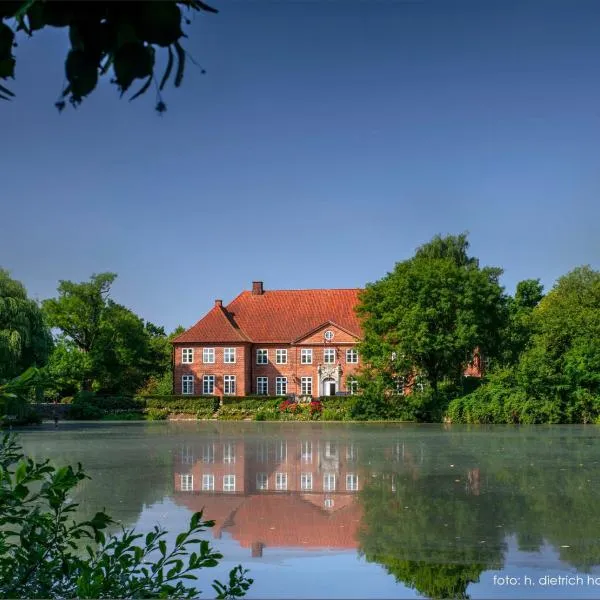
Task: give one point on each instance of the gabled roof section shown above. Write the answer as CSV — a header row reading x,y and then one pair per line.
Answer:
x,y
277,316
286,315
324,325
217,326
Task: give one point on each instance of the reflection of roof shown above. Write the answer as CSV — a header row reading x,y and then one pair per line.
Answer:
x,y
251,317
283,520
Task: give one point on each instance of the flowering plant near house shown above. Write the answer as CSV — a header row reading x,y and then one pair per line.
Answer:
x,y
315,408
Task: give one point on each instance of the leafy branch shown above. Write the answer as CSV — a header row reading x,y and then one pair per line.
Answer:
x,y
104,34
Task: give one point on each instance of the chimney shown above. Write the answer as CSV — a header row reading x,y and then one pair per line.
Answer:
x,y
257,288
218,302
257,549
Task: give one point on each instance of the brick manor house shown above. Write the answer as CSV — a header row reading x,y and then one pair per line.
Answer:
x,y
272,342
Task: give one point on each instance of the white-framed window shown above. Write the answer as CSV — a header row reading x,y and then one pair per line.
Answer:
x,y
306,386
280,386
262,386
229,483
351,453
331,450
351,482
187,455
208,355
328,503
207,453
187,384
306,481
352,386
281,481
262,481
329,482
352,356
208,482
229,355
187,356
262,356
262,452
229,453
306,356
329,356
281,355
281,451
329,335
229,384
208,384
306,452
187,482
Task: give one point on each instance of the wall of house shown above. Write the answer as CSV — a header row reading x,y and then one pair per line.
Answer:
x,y
246,370
219,368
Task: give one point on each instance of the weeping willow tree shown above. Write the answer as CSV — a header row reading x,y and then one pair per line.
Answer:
x,y
25,340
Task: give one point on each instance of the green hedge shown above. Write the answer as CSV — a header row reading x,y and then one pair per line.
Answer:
x,y
258,400
185,404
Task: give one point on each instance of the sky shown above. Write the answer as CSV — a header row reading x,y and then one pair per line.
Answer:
x,y
327,140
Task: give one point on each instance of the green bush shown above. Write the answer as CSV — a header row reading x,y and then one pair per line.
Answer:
x,y
41,546
260,400
183,404
205,413
82,411
156,414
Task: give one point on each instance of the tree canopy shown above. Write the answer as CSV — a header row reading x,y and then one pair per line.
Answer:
x,y
106,38
25,340
430,314
102,345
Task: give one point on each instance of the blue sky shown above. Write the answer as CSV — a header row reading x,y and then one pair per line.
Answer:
x,y
326,141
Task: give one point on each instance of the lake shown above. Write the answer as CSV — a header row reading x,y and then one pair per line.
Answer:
x,y
319,510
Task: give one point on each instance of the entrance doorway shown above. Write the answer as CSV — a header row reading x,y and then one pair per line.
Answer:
x,y
329,387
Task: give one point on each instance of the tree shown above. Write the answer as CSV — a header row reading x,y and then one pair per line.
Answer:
x,y
25,340
120,351
104,34
519,328
430,314
563,360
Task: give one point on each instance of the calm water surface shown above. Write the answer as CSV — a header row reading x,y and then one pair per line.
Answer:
x,y
358,511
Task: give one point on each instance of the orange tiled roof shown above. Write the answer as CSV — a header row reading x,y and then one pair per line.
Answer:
x,y
276,316
216,326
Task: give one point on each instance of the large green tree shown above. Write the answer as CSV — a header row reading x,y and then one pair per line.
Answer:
x,y
552,371
563,361
430,314
519,329
116,40
102,345
25,340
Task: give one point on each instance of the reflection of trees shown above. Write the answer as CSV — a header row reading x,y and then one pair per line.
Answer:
x,y
437,535
432,533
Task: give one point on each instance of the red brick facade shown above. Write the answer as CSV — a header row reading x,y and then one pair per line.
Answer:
x,y
280,342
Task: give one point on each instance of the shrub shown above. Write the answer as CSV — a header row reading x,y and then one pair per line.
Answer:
x,y
183,404
257,399
41,550
156,414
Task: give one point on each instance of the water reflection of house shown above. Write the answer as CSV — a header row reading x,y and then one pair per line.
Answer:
x,y
274,493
